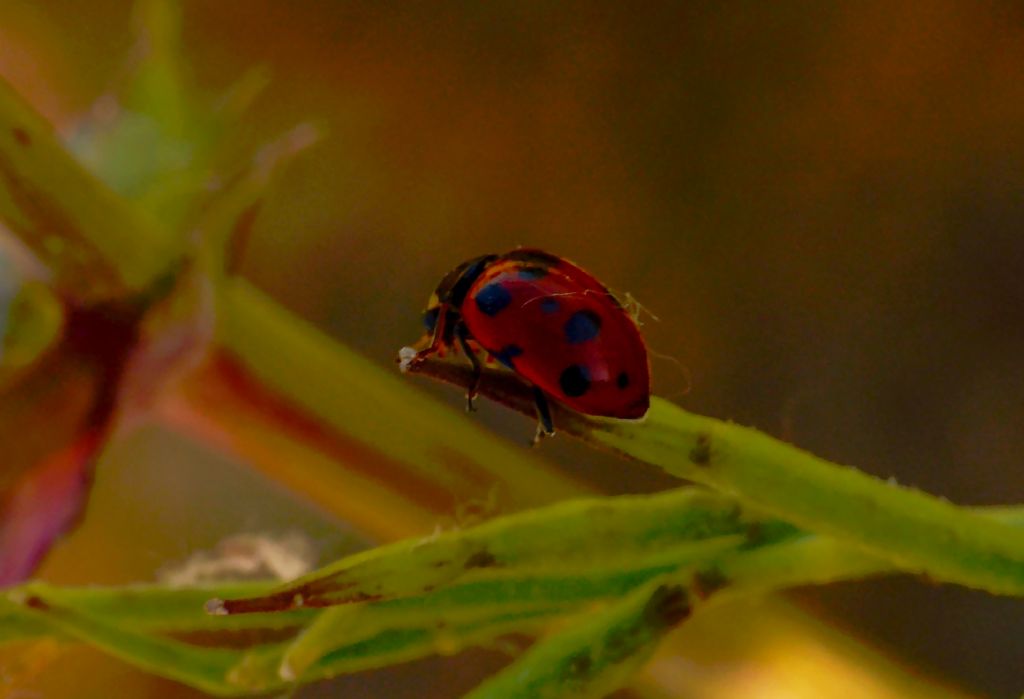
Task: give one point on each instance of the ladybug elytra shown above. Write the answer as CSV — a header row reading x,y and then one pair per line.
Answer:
x,y
551,323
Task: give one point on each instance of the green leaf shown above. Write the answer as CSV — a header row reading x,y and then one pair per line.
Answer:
x,y
262,669
529,592
204,668
158,84
224,224
597,654
478,609
97,245
154,607
578,535
154,141
31,319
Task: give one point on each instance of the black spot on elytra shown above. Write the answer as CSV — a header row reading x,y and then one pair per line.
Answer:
x,y
575,380
701,452
507,354
582,326
532,272
21,136
492,299
622,380
481,559
549,304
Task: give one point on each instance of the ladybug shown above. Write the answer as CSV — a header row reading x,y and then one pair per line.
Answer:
x,y
550,322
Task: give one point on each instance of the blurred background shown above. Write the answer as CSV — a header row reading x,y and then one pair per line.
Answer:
x,y
821,205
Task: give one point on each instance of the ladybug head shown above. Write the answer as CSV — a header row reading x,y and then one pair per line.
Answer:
x,y
450,294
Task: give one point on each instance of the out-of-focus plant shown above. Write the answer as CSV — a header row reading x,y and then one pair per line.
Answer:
x,y
139,316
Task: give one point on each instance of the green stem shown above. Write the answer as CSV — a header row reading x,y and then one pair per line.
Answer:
x,y
98,245
911,530
363,403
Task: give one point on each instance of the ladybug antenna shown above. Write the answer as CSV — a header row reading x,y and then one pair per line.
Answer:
x,y
561,295
635,309
683,370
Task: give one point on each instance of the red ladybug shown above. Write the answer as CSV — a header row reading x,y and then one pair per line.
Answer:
x,y
550,322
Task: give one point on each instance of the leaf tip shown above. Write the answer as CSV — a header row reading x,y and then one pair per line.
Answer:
x,y
286,672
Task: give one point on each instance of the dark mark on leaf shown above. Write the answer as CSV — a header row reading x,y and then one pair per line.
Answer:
x,y
21,136
621,642
755,535
668,606
761,533
38,603
331,601
709,581
701,452
579,664
481,559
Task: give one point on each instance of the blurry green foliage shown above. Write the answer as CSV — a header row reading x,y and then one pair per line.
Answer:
x,y
30,322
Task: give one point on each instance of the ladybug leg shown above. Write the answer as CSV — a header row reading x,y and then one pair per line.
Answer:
x,y
545,427
437,339
478,369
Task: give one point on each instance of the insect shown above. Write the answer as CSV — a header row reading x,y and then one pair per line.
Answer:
x,y
551,323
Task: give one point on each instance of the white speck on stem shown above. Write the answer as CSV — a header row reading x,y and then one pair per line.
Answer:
x,y
215,607
286,672
405,357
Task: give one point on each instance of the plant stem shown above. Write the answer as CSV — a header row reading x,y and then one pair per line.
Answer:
x,y
98,246
911,530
